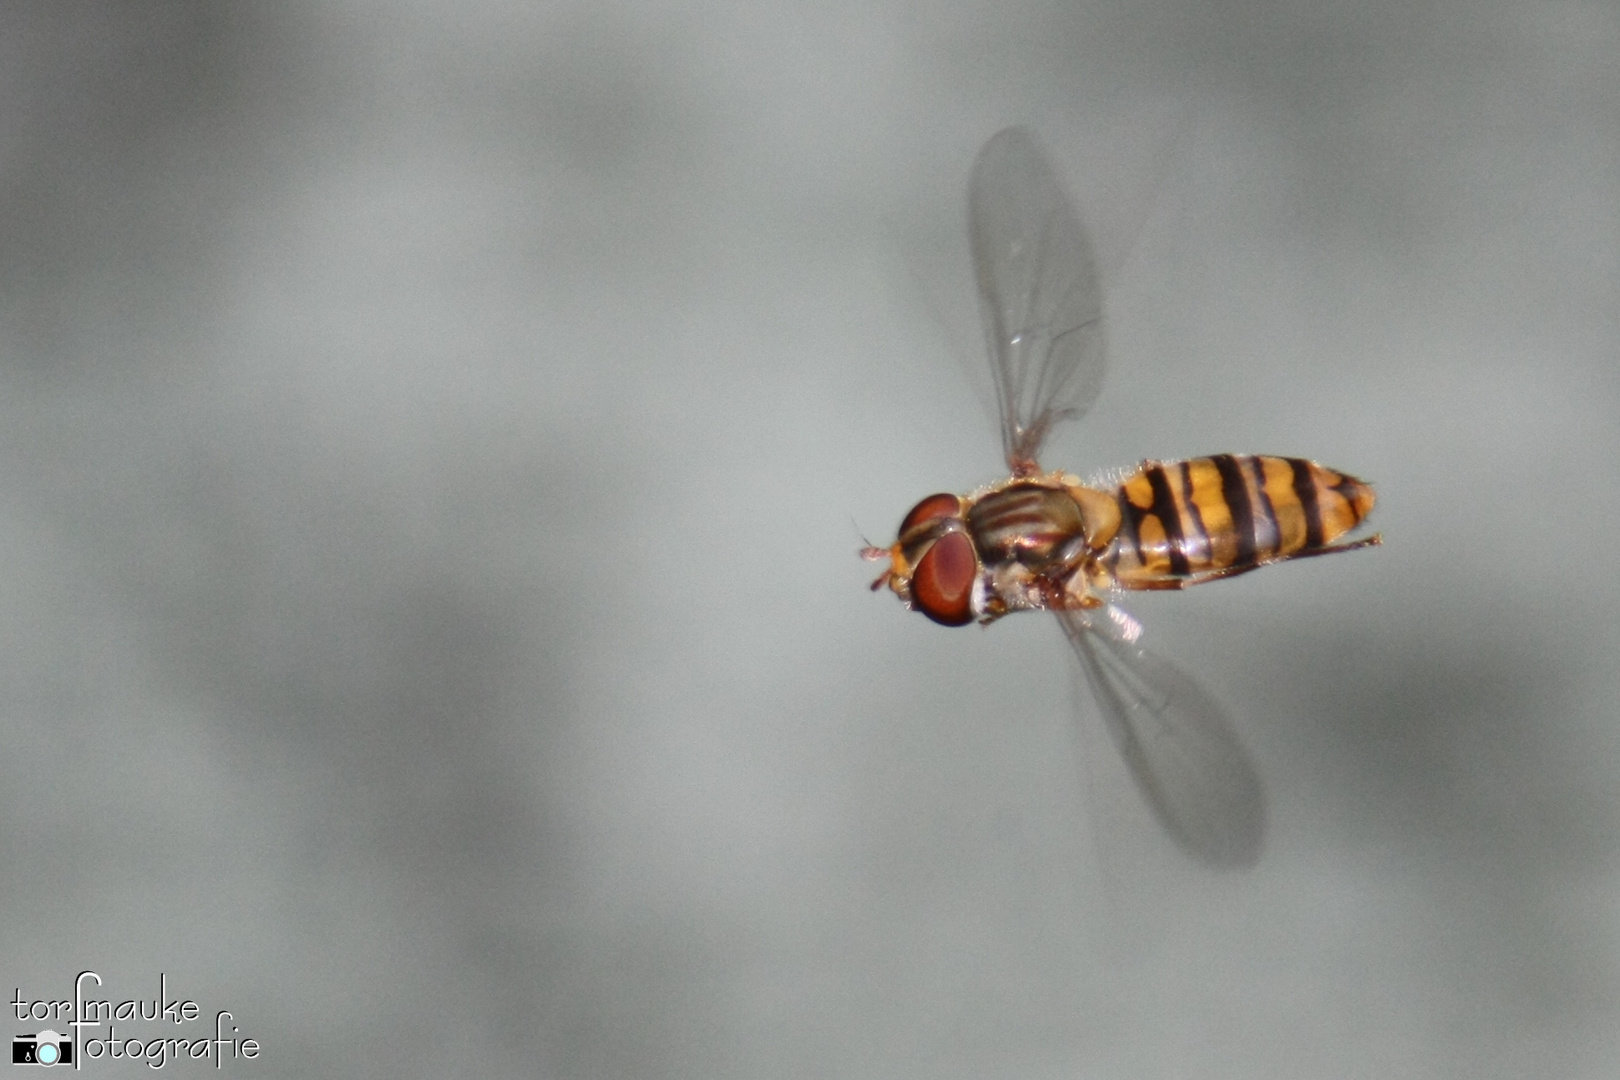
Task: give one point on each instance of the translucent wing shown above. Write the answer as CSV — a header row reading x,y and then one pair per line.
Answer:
x,y
1176,740
1039,293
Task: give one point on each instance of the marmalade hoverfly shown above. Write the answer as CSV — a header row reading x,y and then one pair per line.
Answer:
x,y
1043,540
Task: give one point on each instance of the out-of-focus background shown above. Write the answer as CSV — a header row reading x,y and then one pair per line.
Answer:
x,y
434,443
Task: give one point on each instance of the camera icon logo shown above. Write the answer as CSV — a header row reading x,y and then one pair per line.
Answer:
x,y
46,1048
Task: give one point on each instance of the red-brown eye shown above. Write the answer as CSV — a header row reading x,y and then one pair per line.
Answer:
x,y
932,508
942,584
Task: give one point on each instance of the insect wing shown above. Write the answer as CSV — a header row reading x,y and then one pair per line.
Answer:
x,y
1039,293
1176,740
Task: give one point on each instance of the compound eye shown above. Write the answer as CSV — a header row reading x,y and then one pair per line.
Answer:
x,y
942,584
943,505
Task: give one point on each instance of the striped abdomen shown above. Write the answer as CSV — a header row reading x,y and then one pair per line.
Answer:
x,y
1182,522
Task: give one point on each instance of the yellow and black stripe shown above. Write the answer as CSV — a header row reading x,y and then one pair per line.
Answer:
x,y
1184,522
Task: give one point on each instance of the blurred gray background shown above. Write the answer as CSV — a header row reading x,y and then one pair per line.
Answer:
x,y
434,442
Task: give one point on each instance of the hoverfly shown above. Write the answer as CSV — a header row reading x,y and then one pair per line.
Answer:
x,y
1043,540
